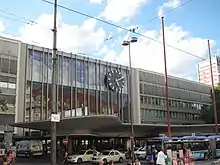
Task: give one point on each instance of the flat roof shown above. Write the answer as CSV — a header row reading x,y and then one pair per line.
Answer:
x,y
110,125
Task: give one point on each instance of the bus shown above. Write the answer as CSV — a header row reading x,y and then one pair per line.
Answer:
x,y
199,145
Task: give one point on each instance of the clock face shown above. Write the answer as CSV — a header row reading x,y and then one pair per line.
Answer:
x,y
114,80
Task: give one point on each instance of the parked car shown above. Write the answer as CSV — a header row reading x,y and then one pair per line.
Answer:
x,y
109,155
141,153
82,156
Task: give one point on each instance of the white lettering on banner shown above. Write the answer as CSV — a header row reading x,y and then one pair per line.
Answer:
x,y
55,118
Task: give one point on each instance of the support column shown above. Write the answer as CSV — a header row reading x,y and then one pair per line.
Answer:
x,y
70,145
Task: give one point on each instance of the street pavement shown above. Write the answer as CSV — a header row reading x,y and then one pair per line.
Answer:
x,y
39,161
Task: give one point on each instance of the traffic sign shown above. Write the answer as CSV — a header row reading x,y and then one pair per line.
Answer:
x,y
65,142
55,118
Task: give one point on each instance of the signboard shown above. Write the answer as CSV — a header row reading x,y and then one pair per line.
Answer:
x,y
65,142
55,118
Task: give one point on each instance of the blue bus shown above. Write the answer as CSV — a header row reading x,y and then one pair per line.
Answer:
x,y
198,145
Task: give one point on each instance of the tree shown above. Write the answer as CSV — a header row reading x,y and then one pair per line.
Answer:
x,y
207,112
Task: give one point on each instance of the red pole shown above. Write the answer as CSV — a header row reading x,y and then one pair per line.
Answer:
x,y
213,90
166,83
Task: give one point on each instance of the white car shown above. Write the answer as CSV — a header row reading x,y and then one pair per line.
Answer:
x,y
82,156
109,155
141,153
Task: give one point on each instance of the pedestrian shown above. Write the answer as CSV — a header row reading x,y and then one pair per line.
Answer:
x,y
161,157
137,162
154,153
111,163
10,158
65,161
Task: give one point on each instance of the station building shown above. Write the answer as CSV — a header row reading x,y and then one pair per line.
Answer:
x,y
85,100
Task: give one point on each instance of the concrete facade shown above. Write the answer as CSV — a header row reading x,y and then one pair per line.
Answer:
x,y
186,99
82,91
9,55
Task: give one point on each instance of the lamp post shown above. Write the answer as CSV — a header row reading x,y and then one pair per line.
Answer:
x,y
128,43
54,83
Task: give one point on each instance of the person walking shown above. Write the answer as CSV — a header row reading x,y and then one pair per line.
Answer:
x,y
161,157
154,153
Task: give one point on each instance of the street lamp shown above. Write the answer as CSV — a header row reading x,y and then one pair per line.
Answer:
x,y
128,43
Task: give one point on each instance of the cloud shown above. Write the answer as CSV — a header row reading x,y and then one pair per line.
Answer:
x,y
117,10
76,38
148,54
2,27
171,4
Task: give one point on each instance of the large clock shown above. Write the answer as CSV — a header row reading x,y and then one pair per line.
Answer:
x,y
114,80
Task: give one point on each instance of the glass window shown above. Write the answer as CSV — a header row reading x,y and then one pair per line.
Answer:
x,y
66,69
92,75
141,88
13,67
37,66
80,73
5,65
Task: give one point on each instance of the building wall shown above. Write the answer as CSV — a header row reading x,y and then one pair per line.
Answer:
x,y
9,50
204,74
81,91
186,99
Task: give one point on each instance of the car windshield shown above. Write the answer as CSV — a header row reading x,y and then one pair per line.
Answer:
x,y
105,153
81,152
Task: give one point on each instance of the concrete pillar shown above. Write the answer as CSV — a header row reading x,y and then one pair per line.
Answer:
x,y
70,145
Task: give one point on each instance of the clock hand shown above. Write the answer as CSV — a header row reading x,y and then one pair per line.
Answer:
x,y
117,82
120,79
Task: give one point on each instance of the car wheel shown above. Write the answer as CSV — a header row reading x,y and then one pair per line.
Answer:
x,y
105,161
79,161
121,160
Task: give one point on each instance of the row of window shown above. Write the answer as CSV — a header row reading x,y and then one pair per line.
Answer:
x,y
158,90
71,71
153,113
172,103
7,85
158,79
8,66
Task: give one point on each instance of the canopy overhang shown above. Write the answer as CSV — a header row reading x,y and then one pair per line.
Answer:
x,y
111,126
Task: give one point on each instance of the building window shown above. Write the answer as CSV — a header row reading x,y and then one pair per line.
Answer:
x,y
13,67
5,65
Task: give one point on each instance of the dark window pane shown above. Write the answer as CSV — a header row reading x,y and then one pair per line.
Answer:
x,y
13,67
5,65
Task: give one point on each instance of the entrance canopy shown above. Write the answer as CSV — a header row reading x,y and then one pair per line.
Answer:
x,y
111,126
85,122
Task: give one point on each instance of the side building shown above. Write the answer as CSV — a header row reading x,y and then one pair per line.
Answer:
x,y
204,75
186,98
9,56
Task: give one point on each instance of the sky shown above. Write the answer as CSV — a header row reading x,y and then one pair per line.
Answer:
x,y
188,26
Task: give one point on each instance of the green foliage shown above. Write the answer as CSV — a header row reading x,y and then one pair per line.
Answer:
x,y
207,112
3,104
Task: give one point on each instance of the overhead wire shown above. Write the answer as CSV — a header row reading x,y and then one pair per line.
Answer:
x,y
24,21
154,18
20,19
121,27
31,22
